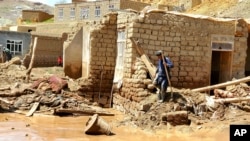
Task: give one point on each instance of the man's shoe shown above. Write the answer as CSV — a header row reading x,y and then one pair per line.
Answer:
x,y
160,101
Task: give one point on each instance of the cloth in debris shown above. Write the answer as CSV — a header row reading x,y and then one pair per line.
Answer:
x,y
56,83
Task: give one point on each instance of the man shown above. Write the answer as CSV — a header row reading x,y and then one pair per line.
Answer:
x,y
161,80
59,60
7,53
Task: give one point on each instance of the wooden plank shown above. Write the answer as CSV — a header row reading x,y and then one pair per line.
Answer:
x,y
87,112
150,66
221,85
232,100
33,109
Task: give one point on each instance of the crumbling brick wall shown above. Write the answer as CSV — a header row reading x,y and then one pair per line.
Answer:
x,y
103,36
185,40
240,49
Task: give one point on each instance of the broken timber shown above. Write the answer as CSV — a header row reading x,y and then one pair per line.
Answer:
x,y
232,100
151,68
31,61
86,112
242,80
33,109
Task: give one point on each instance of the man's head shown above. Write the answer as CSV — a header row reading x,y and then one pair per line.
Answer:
x,y
158,53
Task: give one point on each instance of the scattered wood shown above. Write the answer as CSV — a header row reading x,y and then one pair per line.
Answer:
x,y
84,112
6,101
6,88
33,109
16,92
221,85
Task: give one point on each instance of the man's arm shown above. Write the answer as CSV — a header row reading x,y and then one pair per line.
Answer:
x,y
169,62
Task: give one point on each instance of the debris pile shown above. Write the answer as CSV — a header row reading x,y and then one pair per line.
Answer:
x,y
49,90
63,96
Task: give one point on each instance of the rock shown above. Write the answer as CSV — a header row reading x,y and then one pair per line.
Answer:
x,y
178,118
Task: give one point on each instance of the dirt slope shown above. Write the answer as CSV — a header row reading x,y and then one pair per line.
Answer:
x,y
223,8
10,10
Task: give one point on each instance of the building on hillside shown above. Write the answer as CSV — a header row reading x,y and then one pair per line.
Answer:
x,y
82,10
35,15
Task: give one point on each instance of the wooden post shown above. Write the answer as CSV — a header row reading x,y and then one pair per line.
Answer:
x,y
166,70
31,61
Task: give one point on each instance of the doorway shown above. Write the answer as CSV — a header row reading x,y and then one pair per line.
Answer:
x,y
247,65
221,67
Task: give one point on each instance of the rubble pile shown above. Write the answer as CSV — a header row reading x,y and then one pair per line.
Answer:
x,y
60,95
194,107
49,90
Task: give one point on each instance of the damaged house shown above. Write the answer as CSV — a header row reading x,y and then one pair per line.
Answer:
x,y
202,56
204,51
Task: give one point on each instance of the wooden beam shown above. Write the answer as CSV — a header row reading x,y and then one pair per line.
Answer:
x,y
32,60
221,85
150,66
232,100
86,112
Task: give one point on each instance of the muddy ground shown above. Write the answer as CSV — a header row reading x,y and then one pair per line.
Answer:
x,y
17,96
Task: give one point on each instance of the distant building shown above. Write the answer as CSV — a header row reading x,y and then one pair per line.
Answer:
x,y
83,10
35,15
17,42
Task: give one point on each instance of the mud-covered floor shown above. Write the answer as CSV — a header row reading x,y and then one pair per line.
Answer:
x,y
54,128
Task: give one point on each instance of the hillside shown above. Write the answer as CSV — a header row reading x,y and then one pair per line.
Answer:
x,y
223,8
10,10
214,8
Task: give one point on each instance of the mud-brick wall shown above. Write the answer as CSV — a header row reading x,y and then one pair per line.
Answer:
x,y
103,46
133,96
48,48
240,53
135,5
184,39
